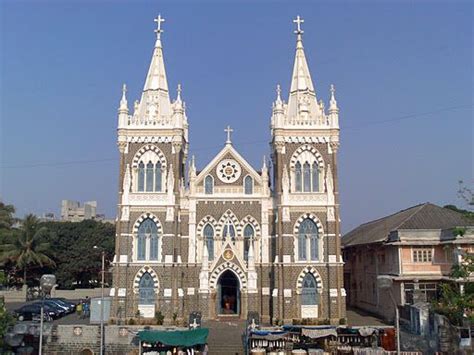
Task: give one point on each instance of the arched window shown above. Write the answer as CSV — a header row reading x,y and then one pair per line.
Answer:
x,y
306,177
208,185
158,177
308,237
149,176
209,240
248,185
148,234
141,177
228,229
146,289
248,239
315,177
309,294
298,179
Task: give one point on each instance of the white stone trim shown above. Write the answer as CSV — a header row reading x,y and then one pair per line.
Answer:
x,y
226,216
307,148
218,271
138,276
146,148
317,277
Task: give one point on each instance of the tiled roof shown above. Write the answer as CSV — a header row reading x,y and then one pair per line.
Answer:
x,y
424,216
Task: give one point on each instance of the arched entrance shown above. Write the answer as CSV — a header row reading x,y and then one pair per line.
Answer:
x,y
228,294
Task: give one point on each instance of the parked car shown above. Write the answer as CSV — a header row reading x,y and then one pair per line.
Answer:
x,y
57,304
70,305
32,311
60,311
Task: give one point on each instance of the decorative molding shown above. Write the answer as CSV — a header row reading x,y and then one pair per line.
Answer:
x,y
314,218
253,222
304,139
208,219
149,139
224,267
306,148
144,216
317,277
146,148
138,276
225,216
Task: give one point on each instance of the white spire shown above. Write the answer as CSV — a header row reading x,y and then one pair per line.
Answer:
x,y
332,100
302,102
123,101
251,259
156,78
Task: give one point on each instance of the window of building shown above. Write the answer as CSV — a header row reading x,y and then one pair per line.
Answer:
x,y
308,240
149,177
146,289
209,240
148,239
141,176
422,255
309,294
248,185
248,239
208,185
307,176
298,177
427,292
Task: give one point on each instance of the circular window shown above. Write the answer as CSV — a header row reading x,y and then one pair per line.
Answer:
x,y
228,171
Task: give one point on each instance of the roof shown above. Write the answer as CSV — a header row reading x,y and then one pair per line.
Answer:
x,y
424,216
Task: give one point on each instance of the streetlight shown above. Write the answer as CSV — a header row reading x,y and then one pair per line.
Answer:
x,y
385,282
47,282
102,303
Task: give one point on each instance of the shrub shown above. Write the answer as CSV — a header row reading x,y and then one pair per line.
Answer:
x,y
159,317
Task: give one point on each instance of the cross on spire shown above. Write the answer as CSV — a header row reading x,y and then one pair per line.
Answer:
x,y
228,130
158,30
298,22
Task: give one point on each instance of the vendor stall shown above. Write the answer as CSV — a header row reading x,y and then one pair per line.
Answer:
x,y
171,342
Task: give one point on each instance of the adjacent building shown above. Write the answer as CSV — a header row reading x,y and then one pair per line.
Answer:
x,y
415,247
224,239
72,211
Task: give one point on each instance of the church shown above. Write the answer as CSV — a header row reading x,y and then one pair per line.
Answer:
x,y
226,239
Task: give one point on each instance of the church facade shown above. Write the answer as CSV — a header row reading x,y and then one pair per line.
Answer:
x,y
228,239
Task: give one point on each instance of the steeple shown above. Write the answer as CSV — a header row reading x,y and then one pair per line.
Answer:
x,y
123,108
303,108
155,106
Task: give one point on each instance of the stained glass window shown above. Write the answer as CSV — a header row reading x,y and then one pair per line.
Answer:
x,y
158,177
309,294
208,185
315,177
248,238
141,177
298,177
308,231
149,176
146,289
248,185
209,239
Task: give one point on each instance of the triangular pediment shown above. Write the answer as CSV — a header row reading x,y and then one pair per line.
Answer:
x,y
228,153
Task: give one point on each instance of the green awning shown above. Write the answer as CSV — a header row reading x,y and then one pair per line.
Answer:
x,y
185,338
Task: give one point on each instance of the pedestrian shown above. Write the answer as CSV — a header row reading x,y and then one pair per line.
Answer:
x,y
79,309
86,309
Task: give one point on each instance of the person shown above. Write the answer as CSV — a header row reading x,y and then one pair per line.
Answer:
x,y
86,309
79,309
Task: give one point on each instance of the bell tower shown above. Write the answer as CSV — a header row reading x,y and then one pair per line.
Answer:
x,y
305,142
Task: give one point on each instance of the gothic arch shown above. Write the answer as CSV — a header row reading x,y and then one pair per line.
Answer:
x,y
144,216
306,148
253,222
317,277
314,218
206,220
218,271
138,276
146,148
225,216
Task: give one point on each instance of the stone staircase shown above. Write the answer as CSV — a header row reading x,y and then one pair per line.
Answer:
x,y
225,336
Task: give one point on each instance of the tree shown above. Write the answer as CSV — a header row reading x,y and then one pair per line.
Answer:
x,y
28,248
6,216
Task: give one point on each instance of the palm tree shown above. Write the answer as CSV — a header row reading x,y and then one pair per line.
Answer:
x,y
28,249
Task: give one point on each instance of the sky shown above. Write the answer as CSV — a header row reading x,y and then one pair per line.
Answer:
x,y
403,71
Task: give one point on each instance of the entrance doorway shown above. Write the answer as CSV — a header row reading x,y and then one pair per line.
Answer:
x,y
228,294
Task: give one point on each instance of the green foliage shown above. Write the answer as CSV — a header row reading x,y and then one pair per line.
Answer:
x,y
76,241
6,216
454,304
6,320
29,248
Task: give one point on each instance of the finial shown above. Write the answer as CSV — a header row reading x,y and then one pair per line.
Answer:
x,y
124,89
278,92
264,166
178,98
229,131
298,22
158,30
123,101
192,160
332,100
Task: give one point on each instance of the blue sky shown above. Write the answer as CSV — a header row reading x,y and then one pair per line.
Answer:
x,y
403,73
